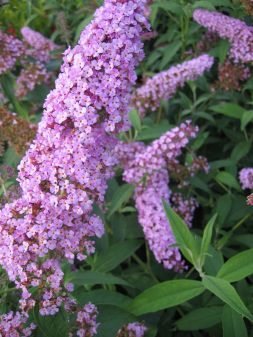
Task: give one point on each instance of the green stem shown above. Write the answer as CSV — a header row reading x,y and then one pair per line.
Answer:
x,y
159,115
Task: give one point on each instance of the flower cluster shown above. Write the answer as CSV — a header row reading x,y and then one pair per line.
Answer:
x,y
184,207
246,178
11,49
17,131
239,34
38,46
159,153
67,166
230,76
13,325
147,169
86,321
132,330
164,85
30,76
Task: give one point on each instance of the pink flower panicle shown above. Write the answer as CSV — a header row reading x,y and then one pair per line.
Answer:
x,y
246,178
39,47
11,49
132,330
163,150
67,166
13,325
31,75
239,34
164,85
86,321
148,171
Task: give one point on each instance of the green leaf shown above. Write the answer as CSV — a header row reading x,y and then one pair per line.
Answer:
x,y
226,3
237,267
203,4
227,293
228,179
200,140
202,318
200,184
169,53
153,132
165,295
122,195
223,207
207,237
11,157
7,84
93,278
214,261
135,119
184,238
116,254
240,151
101,297
246,117
221,163
51,326
229,109
220,50
111,319
81,26
232,323
7,184
171,6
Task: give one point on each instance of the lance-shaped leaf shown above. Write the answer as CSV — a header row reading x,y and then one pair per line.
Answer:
x,y
165,295
184,238
227,293
237,267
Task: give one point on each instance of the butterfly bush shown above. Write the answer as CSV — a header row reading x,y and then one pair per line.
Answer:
x,y
66,168
132,330
246,178
39,47
239,34
11,49
164,85
147,170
